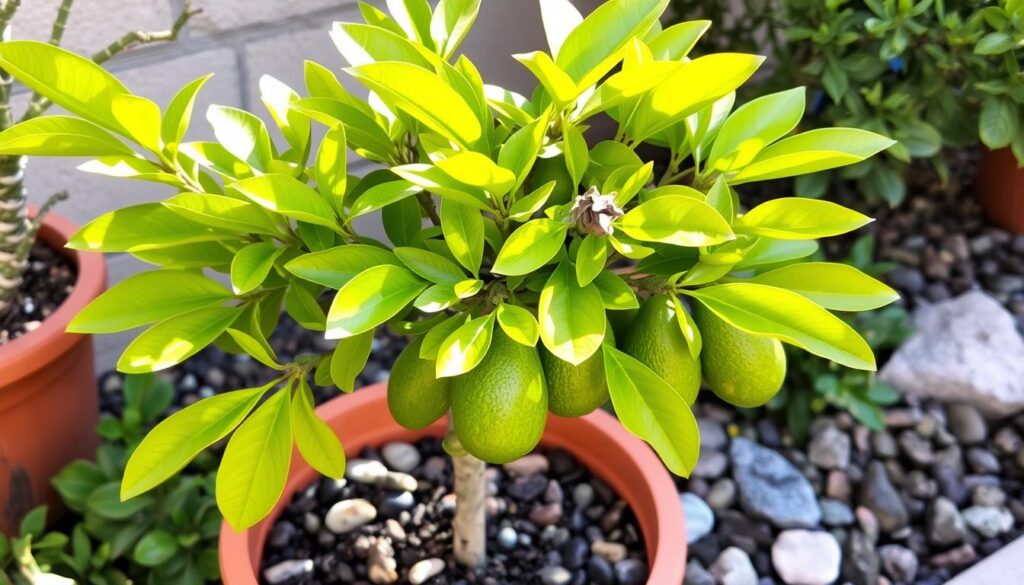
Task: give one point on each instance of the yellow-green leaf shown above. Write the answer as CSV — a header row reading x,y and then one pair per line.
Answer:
x,y
839,287
316,441
799,218
176,339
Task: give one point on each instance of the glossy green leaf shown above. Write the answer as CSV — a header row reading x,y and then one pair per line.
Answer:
x,y
463,350
258,349
175,339
839,287
676,41
72,82
531,246
774,312
653,410
477,170
566,313
129,167
197,255
754,126
798,218
436,298
253,472
148,297
139,118
591,258
252,265
243,134
179,438
467,288
615,293
316,441
451,22
463,229
424,96
414,18
289,197
371,298
139,227
519,152
720,197
595,46
176,119
677,220
335,267
403,221
577,157
768,251
555,81
627,84
435,337
223,212
301,303
216,158
689,329
331,172
812,151
519,324
432,179
60,136
997,124
433,267
525,207
349,358
105,501
278,97
379,196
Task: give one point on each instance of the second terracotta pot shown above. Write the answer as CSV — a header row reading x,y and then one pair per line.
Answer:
x,y
48,401
597,440
1000,189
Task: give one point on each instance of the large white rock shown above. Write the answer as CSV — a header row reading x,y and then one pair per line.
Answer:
x,y
965,350
802,557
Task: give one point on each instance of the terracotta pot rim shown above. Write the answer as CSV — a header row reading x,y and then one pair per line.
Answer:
x,y
660,517
33,351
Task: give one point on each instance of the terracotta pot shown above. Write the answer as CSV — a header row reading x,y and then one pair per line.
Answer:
x,y
48,401
1000,189
597,440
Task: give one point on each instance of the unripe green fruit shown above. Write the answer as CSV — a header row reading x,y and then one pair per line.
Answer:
x,y
656,340
416,398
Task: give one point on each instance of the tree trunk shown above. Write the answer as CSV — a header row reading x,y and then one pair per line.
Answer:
x,y
14,228
470,524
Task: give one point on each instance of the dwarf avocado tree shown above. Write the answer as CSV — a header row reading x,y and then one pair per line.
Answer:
x,y
513,241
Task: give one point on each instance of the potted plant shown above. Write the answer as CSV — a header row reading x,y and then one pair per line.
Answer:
x,y
45,372
534,241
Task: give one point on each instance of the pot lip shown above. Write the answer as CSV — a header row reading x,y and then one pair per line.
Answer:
x,y
664,525
34,351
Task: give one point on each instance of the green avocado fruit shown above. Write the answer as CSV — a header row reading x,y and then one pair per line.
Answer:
x,y
576,390
654,339
416,398
500,407
742,369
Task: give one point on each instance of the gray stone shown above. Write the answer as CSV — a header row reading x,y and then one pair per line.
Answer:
x,y
555,576
631,572
288,570
883,445
967,424
835,513
988,521
425,570
916,448
988,495
527,466
347,515
401,456
733,567
700,520
583,495
696,574
507,538
802,557
722,494
613,552
944,524
982,461
830,448
861,564
365,471
712,434
965,350
711,464
899,563
770,487
879,495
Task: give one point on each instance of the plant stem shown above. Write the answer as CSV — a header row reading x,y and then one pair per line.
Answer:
x,y
14,228
470,523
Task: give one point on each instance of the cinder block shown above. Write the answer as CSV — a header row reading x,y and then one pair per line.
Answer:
x,y
92,24
226,15
93,195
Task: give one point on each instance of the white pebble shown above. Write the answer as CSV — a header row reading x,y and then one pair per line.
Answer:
x,y
425,570
348,515
401,456
365,471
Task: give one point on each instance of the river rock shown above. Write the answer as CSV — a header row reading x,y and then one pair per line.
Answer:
x,y
401,456
965,350
802,557
770,487
425,570
700,520
347,515
967,424
879,495
830,448
288,570
944,524
988,521
899,563
733,567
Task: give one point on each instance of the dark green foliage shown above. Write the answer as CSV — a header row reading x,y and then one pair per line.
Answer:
x,y
929,73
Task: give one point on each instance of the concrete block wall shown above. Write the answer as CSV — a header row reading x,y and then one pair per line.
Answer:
x,y
238,41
